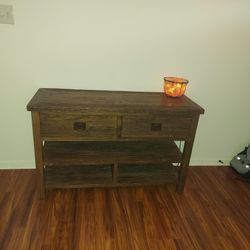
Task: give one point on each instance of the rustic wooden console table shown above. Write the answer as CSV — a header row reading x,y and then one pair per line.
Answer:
x,y
87,138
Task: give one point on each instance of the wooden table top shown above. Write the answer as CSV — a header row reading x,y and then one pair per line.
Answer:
x,y
47,99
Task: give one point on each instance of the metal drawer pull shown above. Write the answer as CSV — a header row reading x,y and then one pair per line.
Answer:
x,y
79,126
156,126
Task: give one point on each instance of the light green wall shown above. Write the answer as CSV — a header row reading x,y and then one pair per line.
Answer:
x,y
128,45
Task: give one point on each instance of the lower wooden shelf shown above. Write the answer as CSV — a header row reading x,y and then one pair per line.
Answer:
x,y
101,175
147,174
121,152
120,163
77,176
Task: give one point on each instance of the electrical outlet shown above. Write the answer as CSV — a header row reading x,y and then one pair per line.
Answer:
x,y
6,14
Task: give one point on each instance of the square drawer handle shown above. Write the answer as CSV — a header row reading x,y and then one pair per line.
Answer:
x,y
79,126
156,126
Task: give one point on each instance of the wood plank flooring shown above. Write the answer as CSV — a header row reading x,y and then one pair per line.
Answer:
x,y
212,213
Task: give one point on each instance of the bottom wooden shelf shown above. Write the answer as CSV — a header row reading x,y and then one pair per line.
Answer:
x,y
101,175
146,174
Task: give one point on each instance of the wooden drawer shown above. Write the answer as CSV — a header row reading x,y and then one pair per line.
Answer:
x,y
156,126
76,125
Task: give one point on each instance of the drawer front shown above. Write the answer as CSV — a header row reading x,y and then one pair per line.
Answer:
x,y
156,126
76,125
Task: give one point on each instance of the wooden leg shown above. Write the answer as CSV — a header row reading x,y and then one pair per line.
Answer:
x,y
181,179
186,156
38,152
40,181
184,166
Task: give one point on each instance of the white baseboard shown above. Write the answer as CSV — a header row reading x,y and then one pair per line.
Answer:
x,y
209,162
31,164
17,164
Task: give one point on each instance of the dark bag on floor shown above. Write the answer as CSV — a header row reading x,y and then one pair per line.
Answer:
x,y
241,163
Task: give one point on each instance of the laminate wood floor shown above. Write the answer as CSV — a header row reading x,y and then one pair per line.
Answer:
x,y
212,213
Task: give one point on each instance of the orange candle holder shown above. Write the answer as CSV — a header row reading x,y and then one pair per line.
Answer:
x,y
175,86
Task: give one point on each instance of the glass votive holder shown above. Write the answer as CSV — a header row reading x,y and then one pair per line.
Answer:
x,y
175,86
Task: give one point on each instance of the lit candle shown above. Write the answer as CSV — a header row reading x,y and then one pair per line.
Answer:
x,y
175,86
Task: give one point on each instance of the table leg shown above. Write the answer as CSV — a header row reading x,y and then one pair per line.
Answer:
x,y
38,152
